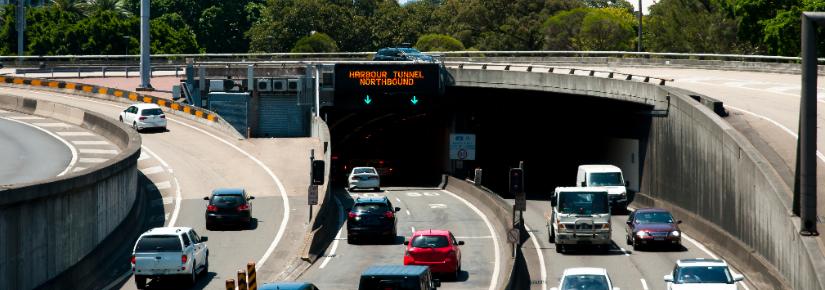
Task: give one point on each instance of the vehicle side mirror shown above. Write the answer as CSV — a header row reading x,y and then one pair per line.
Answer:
x,y
553,201
406,243
251,197
738,277
668,278
205,198
460,243
437,282
583,184
679,221
397,209
204,239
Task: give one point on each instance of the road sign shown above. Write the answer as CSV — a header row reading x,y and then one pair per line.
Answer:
x,y
313,195
465,143
513,236
521,201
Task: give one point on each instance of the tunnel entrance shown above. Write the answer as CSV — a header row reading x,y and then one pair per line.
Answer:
x,y
551,133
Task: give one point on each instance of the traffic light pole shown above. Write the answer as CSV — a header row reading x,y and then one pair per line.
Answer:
x,y
804,197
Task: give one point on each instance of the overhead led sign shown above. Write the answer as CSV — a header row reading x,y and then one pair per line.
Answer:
x,y
357,80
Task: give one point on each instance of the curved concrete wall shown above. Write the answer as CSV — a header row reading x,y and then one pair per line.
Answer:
x,y
708,173
47,227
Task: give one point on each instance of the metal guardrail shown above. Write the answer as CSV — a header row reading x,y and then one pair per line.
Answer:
x,y
176,58
555,69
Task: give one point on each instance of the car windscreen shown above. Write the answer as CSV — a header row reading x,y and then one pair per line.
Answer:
x,y
430,242
708,274
585,203
371,207
226,200
363,171
585,282
390,283
164,243
654,218
151,112
605,179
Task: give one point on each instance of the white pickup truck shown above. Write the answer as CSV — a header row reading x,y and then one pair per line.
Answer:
x,y
580,216
168,252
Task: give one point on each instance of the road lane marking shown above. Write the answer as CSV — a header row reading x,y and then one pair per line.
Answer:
x,y
398,199
72,149
76,169
413,230
541,257
74,134
337,236
92,160
152,170
143,156
408,212
26,118
437,205
704,249
176,210
97,151
625,252
90,142
644,284
496,265
786,129
51,125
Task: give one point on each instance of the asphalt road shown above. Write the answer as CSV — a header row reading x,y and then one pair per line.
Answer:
x,y
28,153
420,210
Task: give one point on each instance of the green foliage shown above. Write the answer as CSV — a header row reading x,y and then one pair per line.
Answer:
x,y
171,35
590,29
317,42
690,26
438,42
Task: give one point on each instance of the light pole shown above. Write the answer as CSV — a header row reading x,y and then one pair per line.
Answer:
x,y
639,44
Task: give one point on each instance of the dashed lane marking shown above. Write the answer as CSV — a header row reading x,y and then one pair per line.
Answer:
x,y
51,125
143,156
542,266
92,160
26,118
408,212
97,151
76,169
74,134
644,284
90,142
152,170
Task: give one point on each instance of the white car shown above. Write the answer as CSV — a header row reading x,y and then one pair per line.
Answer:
x,y
585,279
143,116
167,252
364,177
705,274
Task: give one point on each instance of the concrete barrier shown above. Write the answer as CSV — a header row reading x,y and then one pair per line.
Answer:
x,y
47,227
194,113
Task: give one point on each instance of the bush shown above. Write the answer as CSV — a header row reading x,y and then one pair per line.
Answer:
x,y
438,42
317,42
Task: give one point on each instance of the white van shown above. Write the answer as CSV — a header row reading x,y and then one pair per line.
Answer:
x,y
607,176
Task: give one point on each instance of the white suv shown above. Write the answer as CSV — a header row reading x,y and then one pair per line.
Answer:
x,y
585,278
143,116
702,274
169,252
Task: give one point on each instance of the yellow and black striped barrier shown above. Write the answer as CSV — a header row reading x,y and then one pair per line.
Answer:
x,y
133,96
241,280
251,279
230,284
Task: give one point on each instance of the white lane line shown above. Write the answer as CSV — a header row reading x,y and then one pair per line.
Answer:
x,y
275,178
74,134
541,257
76,169
281,189
152,170
408,212
51,125
143,156
496,265
90,142
176,210
72,149
26,118
398,199
644,284
168,200
92,160
625,252
412,229
704,249
97,151
337,236
786,129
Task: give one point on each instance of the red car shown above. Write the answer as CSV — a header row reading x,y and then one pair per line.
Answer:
x,y
437,249
646,226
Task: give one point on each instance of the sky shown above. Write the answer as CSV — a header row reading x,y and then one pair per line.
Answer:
x,y
645,3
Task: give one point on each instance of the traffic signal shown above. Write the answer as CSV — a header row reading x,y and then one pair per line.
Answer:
x,y
516,180
318,170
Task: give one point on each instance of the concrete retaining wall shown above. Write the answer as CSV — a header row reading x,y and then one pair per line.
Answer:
x,y
46,227
704,170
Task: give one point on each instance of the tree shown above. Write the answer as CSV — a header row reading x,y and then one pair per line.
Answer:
x,y
317,42
171,35
690,26
438,42
561,31
94,6
607,29
69,6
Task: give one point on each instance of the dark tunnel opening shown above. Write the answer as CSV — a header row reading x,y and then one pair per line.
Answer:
x,y
551,133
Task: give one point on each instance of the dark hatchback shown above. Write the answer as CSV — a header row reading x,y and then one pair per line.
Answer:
x,y
228,206
647,226
372,217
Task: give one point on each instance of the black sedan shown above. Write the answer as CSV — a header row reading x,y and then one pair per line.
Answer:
x,y
228,206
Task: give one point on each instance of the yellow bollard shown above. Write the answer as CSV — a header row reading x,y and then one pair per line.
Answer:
x,y
241,280
230,284
250,273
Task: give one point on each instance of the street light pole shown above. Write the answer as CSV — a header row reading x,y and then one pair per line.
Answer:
x,y
145,62
639,44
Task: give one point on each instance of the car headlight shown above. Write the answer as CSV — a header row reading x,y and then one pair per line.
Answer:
x,y
605,226
675,233
641,233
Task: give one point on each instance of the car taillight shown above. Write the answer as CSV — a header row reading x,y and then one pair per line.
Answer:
x,y
183,259
133,259
243,207
352,215
163,116
211,208
142,118
389,214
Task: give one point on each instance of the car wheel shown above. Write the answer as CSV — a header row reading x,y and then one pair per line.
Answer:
x,y
193,277
135,126
140,282
209,226
627,240
206,265
120,118
559,248
636,245
552,235
350,240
